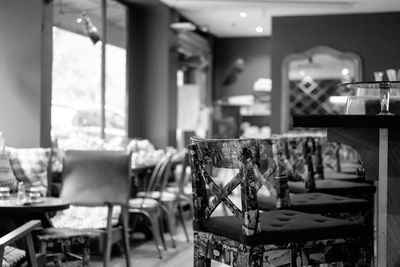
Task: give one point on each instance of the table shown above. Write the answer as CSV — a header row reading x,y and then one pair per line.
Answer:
x,y
377,140
14,215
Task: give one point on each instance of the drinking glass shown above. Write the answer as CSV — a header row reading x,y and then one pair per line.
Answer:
x,y
34,194
4,193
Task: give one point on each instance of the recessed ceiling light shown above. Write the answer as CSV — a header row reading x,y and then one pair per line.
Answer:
x,y
243,14
259,29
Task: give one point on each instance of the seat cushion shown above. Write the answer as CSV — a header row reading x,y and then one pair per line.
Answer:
x,y
317,203
12,257
30,166
165,196
85,217
143,203
335,187
351,177
281,226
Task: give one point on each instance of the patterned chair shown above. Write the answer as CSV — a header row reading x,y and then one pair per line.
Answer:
x,y
305,166
11,256
254,238
340,207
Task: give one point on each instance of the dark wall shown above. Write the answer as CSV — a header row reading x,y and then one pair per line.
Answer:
x,y
151,75
256,55
375,37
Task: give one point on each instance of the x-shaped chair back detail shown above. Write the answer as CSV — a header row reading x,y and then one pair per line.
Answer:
x,y
242,154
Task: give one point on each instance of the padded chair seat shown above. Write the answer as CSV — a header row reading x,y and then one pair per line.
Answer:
x,y
143,203
187,190
316,203
13,257
164,197
334,187
342,176
280,226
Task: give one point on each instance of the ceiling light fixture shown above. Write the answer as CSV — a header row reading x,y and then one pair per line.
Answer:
x,y
243,14
90,30
259,29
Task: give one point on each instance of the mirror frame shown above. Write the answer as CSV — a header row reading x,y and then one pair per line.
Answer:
x,y
285,111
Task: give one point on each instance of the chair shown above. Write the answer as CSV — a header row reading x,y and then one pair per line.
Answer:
x,y
92,180
170,202
150,207
305,161
250,237
11,256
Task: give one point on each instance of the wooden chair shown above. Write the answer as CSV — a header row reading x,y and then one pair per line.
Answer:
x,y
250,237
11,256
97,179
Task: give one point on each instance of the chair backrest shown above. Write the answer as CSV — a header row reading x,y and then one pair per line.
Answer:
x,y
242,154
96,177
159,177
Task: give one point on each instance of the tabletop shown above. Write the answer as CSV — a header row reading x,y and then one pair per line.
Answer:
x,y
46,204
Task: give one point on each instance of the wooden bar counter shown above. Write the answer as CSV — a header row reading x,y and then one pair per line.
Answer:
x,y
377,140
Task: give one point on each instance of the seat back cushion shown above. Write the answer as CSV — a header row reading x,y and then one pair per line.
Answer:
x,y
30,165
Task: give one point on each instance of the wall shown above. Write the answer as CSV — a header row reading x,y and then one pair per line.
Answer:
x,y
24,74
152,66
256,55
375,37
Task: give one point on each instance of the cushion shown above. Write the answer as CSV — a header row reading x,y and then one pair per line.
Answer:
x,y
30,166
335,187
281,226
7,177
138,203
80,217
351,177
317,203
12,256
165,196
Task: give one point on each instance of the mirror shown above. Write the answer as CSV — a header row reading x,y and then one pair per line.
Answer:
x,y
310,79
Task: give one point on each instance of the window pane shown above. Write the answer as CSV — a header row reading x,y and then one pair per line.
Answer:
x,y
76,98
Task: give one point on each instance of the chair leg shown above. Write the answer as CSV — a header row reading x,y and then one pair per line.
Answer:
x,y
162,231
169,212
182,220
125,233
200,261
155,225
31,251
107,250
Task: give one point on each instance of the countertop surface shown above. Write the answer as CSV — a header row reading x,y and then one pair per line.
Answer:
x,y
373,121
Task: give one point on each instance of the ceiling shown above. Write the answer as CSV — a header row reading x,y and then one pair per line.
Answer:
x,y
222,19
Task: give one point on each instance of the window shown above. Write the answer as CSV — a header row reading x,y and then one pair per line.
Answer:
x,y
76,95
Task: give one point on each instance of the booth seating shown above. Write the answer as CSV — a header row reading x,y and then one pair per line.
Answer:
x,y
253,238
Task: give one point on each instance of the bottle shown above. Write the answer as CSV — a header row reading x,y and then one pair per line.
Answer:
x,y
21,193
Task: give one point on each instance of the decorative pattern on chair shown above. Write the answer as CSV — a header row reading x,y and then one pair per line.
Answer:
x,y
251,238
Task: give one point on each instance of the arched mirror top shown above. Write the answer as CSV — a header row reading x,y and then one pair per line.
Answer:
x,y
324,62
310,79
